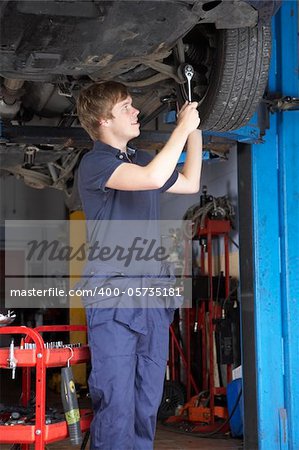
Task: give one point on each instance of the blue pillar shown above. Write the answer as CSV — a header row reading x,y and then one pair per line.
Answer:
x,y
275,202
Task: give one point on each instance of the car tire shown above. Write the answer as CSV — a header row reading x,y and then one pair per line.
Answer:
x,y
238,78
173,397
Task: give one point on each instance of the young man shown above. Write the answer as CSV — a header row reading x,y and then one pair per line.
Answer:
x,y
128,345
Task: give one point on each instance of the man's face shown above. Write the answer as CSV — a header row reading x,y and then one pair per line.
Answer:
x,y
124,124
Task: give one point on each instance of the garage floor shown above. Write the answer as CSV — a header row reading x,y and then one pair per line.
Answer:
x,y
165,440
173,441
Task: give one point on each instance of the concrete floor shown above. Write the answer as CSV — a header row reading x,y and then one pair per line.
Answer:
x,y
166,440
174,441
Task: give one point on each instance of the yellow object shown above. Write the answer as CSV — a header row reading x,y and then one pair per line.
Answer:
x,y
72,416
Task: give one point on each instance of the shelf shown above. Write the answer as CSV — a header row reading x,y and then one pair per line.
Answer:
x,y
25,434
55,357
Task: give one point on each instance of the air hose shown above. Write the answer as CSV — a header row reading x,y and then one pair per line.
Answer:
x,y
70,405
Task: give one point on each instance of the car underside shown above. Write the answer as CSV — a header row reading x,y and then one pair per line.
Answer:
x,y
52,49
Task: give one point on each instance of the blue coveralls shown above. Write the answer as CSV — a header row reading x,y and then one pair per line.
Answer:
x,y
129,346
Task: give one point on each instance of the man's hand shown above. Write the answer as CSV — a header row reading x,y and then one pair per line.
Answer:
x,y
188,118
131,177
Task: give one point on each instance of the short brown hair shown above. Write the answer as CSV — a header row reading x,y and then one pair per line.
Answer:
x,y
96,102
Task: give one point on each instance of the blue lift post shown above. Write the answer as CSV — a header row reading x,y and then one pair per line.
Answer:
x,y
275,205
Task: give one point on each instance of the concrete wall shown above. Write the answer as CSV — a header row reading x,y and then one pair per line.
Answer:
x,y
21,202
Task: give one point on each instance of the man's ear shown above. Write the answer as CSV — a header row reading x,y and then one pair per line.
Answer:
x,y
103,122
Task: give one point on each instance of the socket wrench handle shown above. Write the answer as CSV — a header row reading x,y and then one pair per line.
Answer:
x,y
189,72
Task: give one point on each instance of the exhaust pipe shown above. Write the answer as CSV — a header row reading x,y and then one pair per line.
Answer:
x,y
11,92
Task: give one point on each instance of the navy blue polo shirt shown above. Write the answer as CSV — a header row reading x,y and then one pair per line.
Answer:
x,y
104,206
101,203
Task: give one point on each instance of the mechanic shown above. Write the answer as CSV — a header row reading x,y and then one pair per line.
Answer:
x,y
129,346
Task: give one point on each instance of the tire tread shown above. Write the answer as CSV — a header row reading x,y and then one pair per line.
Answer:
x,y
239,78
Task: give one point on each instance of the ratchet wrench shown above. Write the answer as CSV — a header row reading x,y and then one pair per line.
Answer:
x,y
189,72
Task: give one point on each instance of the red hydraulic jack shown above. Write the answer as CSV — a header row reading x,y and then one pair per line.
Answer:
x,y
200,409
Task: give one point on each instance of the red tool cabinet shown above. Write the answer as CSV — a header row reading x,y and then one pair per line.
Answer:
x,y
41,358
